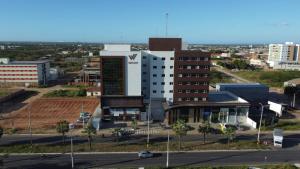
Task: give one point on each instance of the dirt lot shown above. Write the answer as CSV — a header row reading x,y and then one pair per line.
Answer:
x,y
46,112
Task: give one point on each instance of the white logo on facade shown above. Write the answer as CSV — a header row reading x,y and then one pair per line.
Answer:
x,y
132,58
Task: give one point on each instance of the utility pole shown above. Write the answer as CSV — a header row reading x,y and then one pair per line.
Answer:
x,y
167,17
261,114
148,120
29,120
167,164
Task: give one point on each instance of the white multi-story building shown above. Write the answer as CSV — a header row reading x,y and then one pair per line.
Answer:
x,y
25,73
287,53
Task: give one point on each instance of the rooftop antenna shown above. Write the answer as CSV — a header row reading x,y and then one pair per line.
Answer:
x,y
167,17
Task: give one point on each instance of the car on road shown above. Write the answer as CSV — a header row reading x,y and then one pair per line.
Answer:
x,y
145,154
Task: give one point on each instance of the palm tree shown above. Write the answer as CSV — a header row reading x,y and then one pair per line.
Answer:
x,y
180,128
204,129
134,124
117,133
1,131
229,132
90,130
62,127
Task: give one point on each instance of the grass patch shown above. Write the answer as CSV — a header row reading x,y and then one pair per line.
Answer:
x,y
269,78
4,93
125,147
66,93
280,166
285,125
219,77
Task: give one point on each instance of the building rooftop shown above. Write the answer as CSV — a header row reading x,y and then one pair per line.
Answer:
x,y
294,81
29,62
224,97
241,84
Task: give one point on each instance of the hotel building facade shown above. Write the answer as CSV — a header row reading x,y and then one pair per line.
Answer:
x,y
168,81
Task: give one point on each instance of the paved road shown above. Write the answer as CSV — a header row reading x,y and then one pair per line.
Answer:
x,y
131,160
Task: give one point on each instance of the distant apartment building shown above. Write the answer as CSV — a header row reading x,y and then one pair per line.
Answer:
x,y
281,56
24,73
167,79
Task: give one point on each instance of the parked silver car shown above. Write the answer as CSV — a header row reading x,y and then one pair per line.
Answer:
x,y
145,154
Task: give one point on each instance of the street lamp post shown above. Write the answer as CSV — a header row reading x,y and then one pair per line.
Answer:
x,y
148,126
261,114
71,126
294,99
167,164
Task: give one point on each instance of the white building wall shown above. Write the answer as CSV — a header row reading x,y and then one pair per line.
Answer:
x,y
133,70
161,87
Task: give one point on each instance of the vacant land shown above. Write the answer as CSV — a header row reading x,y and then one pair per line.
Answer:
x,y
269,78
219,77
46,112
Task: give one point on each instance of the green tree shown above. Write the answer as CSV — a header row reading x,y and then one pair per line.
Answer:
x,y
204,129
180,128
117,132
134,124
90,130
62,127
229,132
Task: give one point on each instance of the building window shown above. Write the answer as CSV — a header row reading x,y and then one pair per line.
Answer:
x,y
171,83
180,58
144,80
162,83
204,99
171,75
144,73
196,99
180,67
154,67
172,58
179,83
154,83
187,99
163,75
179,91
189,67
170,91
154,75
162,91
144,65
163,67
187,91
154,58
163,58
154,91
179,75
179,99
144,57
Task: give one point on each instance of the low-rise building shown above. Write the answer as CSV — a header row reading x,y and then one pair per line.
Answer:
x,y
25,73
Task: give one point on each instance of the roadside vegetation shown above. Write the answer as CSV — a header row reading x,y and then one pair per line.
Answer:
x,y
124,146
269,78
66,93
279,166
285,125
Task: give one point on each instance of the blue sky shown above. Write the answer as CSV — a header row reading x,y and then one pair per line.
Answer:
x,y
196,21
